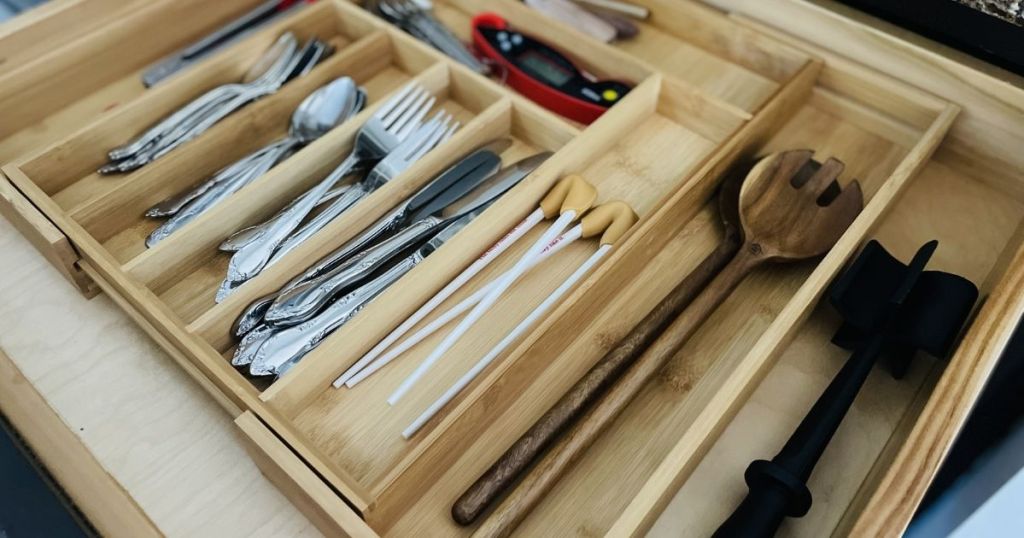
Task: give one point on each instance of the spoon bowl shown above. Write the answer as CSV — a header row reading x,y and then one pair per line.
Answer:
x,y
324,109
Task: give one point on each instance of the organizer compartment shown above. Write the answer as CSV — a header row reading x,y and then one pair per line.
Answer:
x,y
76,185
682,40
675,419
460,95
186,268
974,224
46,97
659,114
723,95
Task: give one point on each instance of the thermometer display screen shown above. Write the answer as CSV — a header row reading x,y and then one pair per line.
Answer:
x,y
544,68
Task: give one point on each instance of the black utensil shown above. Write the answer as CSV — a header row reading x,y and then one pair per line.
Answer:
x,y
887,307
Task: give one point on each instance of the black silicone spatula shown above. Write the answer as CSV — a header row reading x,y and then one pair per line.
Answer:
x,y
888,308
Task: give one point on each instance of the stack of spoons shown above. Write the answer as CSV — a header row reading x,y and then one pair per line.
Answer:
x,y
323,110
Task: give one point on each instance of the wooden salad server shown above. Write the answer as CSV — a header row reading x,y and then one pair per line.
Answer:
x,y
789,208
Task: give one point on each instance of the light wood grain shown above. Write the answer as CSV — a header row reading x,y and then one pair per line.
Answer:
x,y
54,24
947,410
729,91
809,362
98,62
105,503
152,429
991,97
47,239
325,509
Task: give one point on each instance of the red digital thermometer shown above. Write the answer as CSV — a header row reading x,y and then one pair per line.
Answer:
x,y
543,74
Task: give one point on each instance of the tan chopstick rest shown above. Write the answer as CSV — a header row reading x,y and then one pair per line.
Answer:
x,y
579,196
613,219
571,192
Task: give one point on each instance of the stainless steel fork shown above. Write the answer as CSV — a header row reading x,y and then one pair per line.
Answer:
x,y
395,121
431,134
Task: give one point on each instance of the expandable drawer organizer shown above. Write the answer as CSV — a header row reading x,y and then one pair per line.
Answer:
x,y
711,93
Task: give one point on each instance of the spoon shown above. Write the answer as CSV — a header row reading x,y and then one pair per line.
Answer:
x,y
787,213
245,236
320,112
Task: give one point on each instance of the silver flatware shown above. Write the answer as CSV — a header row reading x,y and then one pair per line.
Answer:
x,y
172,205
280,64
291,345
249,234
417,19
382,133
286,346
397,162
281,51
320,112
414,147
304,300
252,316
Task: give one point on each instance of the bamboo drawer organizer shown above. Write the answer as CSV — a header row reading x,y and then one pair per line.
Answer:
x,y
711,93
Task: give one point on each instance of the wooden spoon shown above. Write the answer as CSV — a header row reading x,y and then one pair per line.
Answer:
x,y
784,217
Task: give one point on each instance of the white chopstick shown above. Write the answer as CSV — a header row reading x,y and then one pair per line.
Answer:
x,y
555,247
580,197
548,208
617,219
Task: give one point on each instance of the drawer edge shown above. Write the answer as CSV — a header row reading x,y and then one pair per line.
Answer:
x,y
44,236
228,404
309,493
895,499
102,499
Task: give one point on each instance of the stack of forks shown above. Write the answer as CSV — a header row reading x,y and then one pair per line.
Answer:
x,y
416,19
392,140
286,62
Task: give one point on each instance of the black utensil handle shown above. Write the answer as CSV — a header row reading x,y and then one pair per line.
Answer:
x,y
774,495
778,488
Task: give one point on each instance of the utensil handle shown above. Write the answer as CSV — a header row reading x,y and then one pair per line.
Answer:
x,y
343,203
455,285
778,488
303,301
506,342
611,375
291,344
249,261
454,312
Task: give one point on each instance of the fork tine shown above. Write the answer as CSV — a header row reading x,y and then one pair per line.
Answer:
x,y
418,136
415,151
431,142
820,181
413,127
420,108
397,99
451,132
417,119
405,105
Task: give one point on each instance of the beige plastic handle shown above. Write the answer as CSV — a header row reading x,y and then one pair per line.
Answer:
x,y
614,218
572,193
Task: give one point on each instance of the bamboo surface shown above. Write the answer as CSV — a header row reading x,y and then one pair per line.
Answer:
x,y
728,91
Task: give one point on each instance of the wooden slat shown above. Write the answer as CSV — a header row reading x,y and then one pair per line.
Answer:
x,y
898,495
305,489
44,236
99,496
716,415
